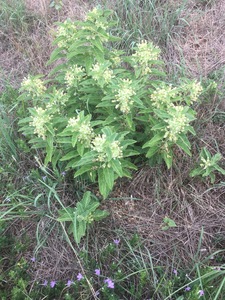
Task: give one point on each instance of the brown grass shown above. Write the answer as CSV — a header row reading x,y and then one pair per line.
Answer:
x,y
29,51
202,45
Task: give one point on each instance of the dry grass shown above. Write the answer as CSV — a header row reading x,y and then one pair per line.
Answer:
x,y
28,50
191,206
201,47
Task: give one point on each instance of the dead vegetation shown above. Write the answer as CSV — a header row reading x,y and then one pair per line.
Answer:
x,y
201,47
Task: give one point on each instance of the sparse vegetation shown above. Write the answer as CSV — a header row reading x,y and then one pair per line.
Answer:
x,y
134,223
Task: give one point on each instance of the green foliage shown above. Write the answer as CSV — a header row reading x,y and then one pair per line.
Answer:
x,y
84,214
14,18
208,165
100,108
155,20
168,223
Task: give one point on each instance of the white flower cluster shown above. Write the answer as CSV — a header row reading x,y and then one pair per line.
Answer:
x,y
176,124
39,121
34,86
205,163
99,72
83,128
100,24
94,14
116,150
145,54
162,96
100,145
59,98
66,34
195,90
124,95
74,75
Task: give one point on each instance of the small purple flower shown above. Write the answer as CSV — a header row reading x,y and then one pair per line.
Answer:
x,y
52,283
116,242
44,178
69,283
45,283
201,293
97,272
33,259
110,283
63,173
79,276
187,289
175,272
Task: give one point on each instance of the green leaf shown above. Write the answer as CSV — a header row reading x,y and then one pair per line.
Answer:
x,y
219,169
127,164
129,121
74,139
70,155
116,165
152,151
83,170
100,214
86,159
128,153
212,177
98,54
80,149
49,149
103,188
56,157
98,44
108,173
168,223
154,141
184,144
56,54
66,214
196,172
168,158
86,199
161,114
88,63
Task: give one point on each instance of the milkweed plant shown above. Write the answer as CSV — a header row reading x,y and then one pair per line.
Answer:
x,y
99,108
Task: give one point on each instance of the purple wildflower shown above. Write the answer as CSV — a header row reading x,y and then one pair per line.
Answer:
x,y
33,259
79,276
175,272
52,283
187,289
63,173
45,283
110,283
44,178
116,241
97,272
201,293
69,282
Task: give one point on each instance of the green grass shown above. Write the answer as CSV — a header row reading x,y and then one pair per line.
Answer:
x,y
147,19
